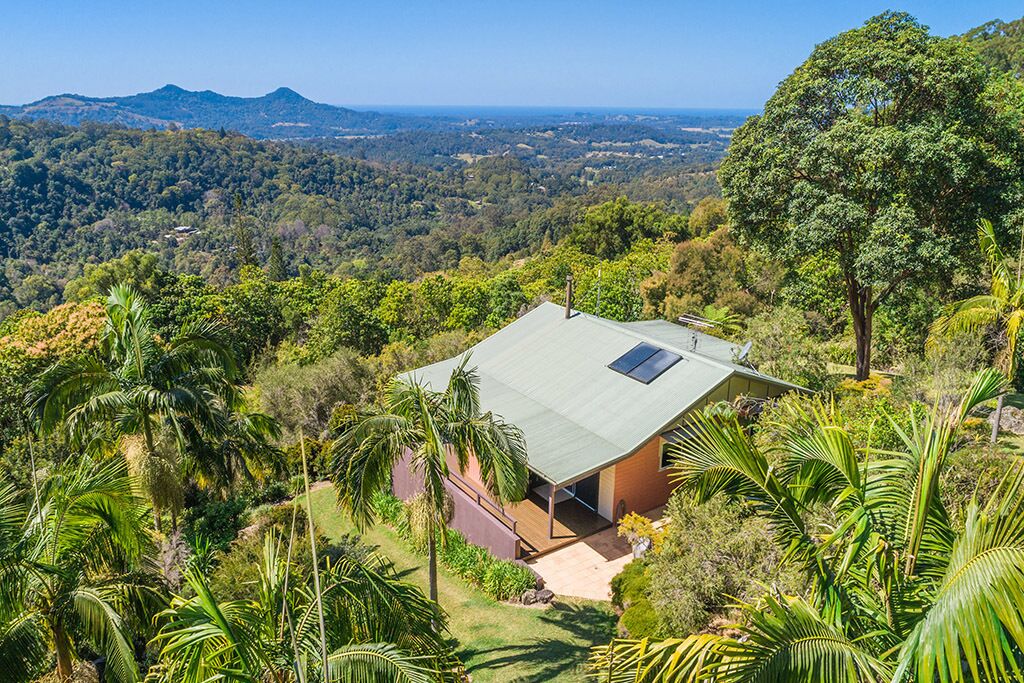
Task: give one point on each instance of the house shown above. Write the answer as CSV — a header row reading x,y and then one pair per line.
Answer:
x,y
598,401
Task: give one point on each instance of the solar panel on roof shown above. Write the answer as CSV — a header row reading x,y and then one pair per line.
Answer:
x,y
651,369
644,362
632,358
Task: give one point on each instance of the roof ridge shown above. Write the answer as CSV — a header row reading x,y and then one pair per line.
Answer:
x,y
662,344
689,355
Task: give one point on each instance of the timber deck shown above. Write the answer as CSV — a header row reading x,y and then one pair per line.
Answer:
x,y
573,521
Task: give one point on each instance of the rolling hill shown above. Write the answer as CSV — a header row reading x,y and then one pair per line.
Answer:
x,y
282,113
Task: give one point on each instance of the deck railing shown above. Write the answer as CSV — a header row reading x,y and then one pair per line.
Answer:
x,y
484,502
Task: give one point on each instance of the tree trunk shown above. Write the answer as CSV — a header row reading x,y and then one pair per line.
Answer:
x,y
432,562
862,309
62,648
998,419
151,454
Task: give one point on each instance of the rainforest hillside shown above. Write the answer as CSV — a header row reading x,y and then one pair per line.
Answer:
x,y
70,196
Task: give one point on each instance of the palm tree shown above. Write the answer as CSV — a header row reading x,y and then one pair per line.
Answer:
x,y
70,564
141,385
895,594
379,629
1002,308
243,452
431,426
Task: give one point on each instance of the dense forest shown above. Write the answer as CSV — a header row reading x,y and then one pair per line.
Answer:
x,y
202,341
74,196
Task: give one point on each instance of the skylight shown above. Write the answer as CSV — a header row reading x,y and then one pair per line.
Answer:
x,y
644,362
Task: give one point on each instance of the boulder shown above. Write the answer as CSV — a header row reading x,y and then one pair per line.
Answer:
x,y
529,597
545,596
1012,420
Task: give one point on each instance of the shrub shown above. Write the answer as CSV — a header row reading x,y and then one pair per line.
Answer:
x,y
316,459
216,521
279,517
267,493
501,579
639,620
304,395
631,584
388,508
635,527
869,409
465,560
714,554
506,580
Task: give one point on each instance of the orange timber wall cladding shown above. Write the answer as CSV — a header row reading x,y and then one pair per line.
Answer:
x,y
640,481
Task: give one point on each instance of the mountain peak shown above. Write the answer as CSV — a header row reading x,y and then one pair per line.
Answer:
x,y
170,89
282,113
284,93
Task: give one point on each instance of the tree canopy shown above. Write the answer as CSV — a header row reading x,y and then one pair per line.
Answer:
x,y
877,151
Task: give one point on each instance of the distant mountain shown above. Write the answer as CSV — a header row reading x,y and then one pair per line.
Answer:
x,y
282,113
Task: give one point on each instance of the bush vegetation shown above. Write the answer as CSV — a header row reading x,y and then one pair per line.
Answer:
x,y
501,579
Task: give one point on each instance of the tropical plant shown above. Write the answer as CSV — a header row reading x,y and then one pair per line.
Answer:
x,y
379,628
722,320
896,594
139,385
438,430
1002,308
244,451
71,555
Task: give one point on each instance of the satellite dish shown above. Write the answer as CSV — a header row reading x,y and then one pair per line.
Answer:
x,y
742,355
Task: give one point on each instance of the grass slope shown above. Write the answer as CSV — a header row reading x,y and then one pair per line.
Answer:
x,y
497,642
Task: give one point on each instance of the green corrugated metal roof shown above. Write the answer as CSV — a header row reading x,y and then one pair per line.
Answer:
x,y
548,375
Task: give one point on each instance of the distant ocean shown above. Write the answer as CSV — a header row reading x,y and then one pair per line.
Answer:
x,y
491,111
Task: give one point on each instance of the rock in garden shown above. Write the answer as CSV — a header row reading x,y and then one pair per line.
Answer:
x,y
545,596
529,596
1012,420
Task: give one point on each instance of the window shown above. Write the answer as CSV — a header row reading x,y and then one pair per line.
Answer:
x,y
672,441
644,362
667,455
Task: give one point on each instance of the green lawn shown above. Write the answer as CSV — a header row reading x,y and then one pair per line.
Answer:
x,y
497,642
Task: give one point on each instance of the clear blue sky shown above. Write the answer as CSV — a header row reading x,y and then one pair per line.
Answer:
x,y
516,52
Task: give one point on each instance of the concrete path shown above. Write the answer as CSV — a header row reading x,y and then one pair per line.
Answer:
x,y
585,568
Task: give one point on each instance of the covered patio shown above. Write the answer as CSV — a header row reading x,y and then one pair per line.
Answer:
x,y
547,519
545,524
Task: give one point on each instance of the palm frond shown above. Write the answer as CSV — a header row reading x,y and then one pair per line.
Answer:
x,y
369,603
379,662
718,457
22,644
202,639
1002,278
986,386
967,316
787,640
974,630
363,456
820,459
499,449
462,394
674,660
106,627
